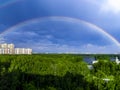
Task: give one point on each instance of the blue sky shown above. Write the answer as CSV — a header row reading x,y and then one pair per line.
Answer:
x,y
103,13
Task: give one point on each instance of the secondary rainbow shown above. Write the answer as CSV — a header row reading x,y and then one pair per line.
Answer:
x,y
8,3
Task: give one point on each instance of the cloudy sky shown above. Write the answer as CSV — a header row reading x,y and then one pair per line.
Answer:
x,y
17,16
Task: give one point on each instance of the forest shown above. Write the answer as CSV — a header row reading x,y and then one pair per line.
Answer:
x,y
57,72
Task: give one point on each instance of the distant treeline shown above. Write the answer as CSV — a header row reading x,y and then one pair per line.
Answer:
x,y
57,72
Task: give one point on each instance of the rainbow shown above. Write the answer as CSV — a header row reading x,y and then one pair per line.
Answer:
x,y
61,18
8,3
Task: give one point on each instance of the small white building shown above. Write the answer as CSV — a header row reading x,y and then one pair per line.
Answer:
x,y
90,67
93,62
106,79
117,60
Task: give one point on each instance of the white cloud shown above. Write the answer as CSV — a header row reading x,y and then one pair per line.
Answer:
x,y
107,6
112,6
48,46
100,49
31,33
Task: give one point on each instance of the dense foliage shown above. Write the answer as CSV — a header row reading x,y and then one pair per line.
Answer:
x,y
57,72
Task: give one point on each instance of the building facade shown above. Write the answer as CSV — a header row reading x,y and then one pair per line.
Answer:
x,y
6,48
10,49
23,51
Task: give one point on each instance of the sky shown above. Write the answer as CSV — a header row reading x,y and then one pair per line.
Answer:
x,y
17,14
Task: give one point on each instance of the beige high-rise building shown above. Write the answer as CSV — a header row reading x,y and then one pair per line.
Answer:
x,y
10,49
6,48
3,45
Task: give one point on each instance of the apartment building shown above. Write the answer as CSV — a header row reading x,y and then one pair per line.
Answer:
x,y
23,51
10,49
6,48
